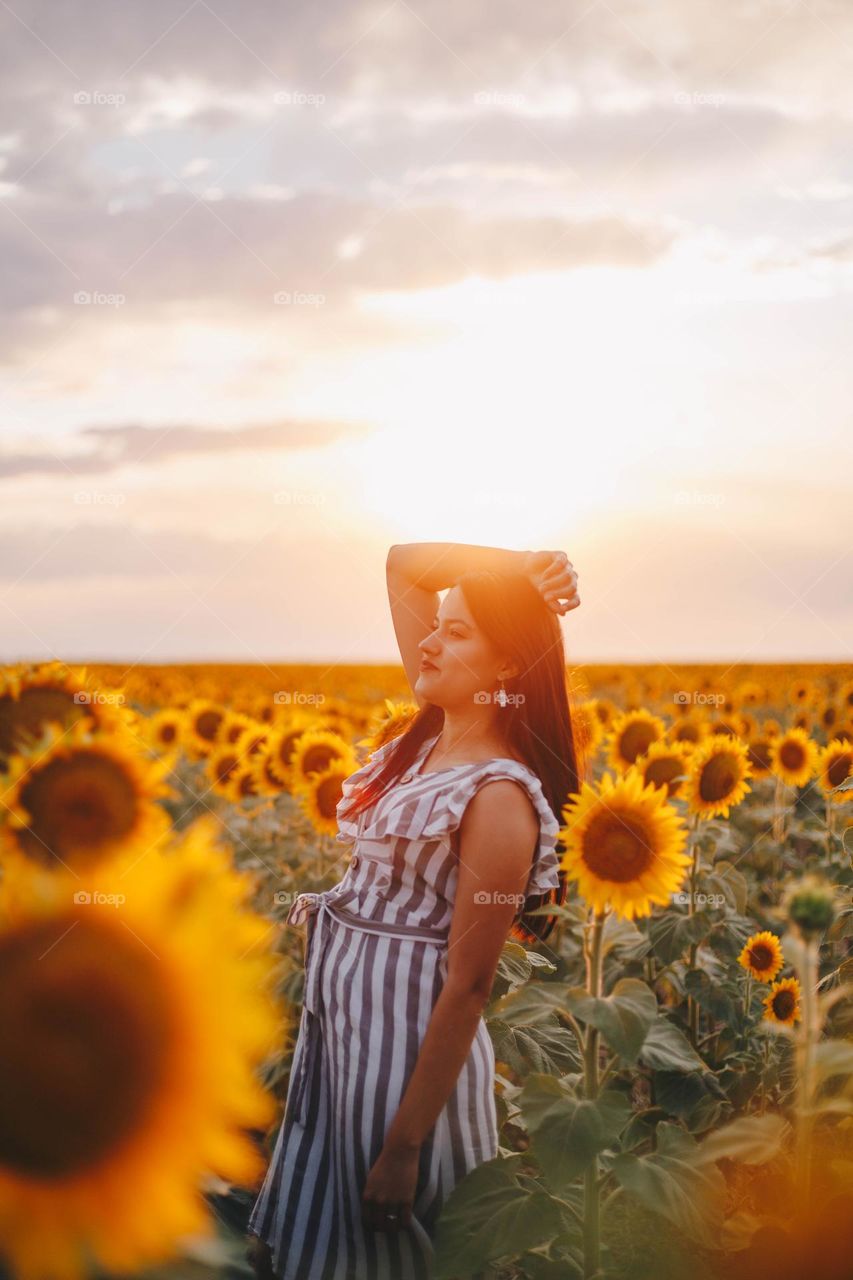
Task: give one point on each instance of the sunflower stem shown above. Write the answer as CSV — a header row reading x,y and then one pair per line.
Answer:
x,y
779,810
807,1037
747,1000
692,1006
592,1191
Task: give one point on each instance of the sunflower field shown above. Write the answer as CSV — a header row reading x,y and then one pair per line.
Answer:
x,y
674,1075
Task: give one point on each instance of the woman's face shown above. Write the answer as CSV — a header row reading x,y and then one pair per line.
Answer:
x,y
463,664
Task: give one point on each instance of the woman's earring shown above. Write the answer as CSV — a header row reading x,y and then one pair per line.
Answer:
x,y
501,693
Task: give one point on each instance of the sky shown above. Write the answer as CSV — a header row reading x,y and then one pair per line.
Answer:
x,y
285,284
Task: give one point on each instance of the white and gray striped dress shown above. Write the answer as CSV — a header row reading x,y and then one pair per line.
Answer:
x,y
375,964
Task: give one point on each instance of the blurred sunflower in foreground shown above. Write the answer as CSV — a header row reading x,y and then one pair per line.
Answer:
x,y
79,797
136,1004
624,845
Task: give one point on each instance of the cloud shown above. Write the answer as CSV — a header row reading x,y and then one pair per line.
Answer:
x,y
120,446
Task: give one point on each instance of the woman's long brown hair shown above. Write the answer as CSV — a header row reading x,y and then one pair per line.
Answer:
x,y
538,725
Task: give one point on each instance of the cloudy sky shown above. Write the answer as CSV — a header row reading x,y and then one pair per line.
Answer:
x,y
284,284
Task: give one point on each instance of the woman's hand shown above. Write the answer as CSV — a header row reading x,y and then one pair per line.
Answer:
x,y
390,1189
552,574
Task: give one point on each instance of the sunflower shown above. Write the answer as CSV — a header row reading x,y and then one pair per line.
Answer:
x,y
758,749
34,696
588,729
242,784
689,732
253,738
82,797
315,752
232,726
165,729
782,1002
267,781
665,765
631,735
794,756
137,1002
220,766
834,767
624,845
204,718
803,693
282,745
398,716
762,956
320,797
718,776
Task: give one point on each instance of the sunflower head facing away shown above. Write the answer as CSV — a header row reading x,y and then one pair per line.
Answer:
x,y
624,845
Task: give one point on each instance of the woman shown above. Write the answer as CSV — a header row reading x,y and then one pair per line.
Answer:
x,y
453,823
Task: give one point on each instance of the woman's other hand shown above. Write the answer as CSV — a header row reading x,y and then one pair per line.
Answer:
x,y
553,575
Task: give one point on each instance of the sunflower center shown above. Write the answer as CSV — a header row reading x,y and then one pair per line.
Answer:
x,y
317,758
25,717
719,777
86,1030
662,770
617,847
76,805
327,795
792,755
760,956
636,740
783,1003
207,724
759,753
839,769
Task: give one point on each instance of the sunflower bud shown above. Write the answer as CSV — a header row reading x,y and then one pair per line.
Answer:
x,y
811,905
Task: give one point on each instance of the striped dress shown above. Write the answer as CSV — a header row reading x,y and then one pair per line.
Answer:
x,y
375,964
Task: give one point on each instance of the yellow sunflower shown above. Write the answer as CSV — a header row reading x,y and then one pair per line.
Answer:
x,y
34,696
267,781
320,798
398,716
782,1002
803,693
166,729
83,796
282,745
232,726
588,729
631,735
624,845
665,765
204,718
315,752
834,767
242,784
758,749
220,767
762,956
718,776
137,1002
794,757
689,732
253,738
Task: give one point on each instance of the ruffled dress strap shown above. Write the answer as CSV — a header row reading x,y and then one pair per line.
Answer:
x,y
544,871
349,830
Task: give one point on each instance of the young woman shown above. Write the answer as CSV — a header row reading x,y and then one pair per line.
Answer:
x,y
453,825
